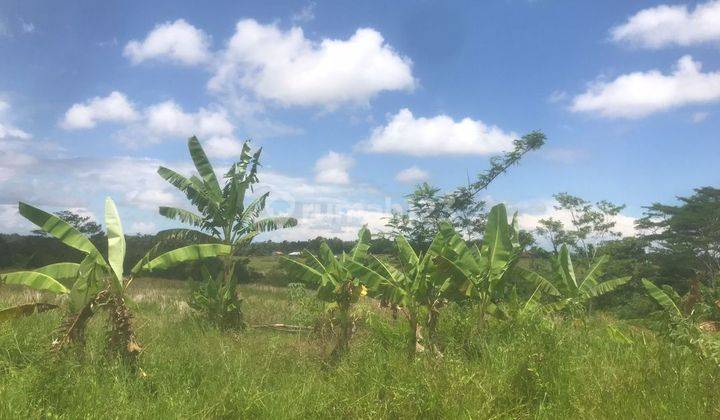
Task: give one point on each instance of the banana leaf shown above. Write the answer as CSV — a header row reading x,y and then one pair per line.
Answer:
x,y
34,280
188,253
116,243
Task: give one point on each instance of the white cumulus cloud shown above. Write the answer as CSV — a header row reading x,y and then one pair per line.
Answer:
x,y
412,174
223,147
112,108
213,127
168,119
439,135
333,168
178,42
639,94
287,68
667,25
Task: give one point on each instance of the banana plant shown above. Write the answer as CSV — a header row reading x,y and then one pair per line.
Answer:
x,y
336,284
222,216
565,288
98,282
481,273
662,298
415,286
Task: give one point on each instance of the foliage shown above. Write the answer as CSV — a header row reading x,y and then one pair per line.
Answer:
x,y
592,224
426,210
554,232
568,291
482,274
662,298
685,238
84,224
223,217
414,285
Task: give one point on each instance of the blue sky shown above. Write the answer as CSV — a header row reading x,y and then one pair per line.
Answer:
x,y
354,102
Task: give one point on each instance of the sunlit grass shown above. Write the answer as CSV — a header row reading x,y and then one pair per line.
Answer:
x,y
533,367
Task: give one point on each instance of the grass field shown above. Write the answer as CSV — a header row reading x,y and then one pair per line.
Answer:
x,y
533,367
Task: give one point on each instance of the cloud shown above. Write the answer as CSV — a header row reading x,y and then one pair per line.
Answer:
x,y
665,25
213,127
699,117
80,183
333,168
287,68
335,222
14,143
223,147
639,94
12,221
112,108
411,175
439,135
306,14
167,119
7,131
56,183
155,123
329,210
178,42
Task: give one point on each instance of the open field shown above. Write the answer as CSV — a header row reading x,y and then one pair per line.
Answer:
x,y
531,367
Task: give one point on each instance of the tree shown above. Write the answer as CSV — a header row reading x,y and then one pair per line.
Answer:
x,y
554,232
592,224
684,239
223,217
427,208
83,224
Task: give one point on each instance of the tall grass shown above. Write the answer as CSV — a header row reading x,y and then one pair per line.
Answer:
x,y
531,367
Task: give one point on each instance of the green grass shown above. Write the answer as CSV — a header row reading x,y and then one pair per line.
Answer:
x,y
533,367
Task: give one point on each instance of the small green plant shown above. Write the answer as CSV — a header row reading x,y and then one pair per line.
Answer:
x,y
482,274
336,284
415,286
567,292
224,218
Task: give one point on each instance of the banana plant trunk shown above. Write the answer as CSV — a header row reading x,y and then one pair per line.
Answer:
x,y
229,293
122,335
414,335
432,324
345,330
